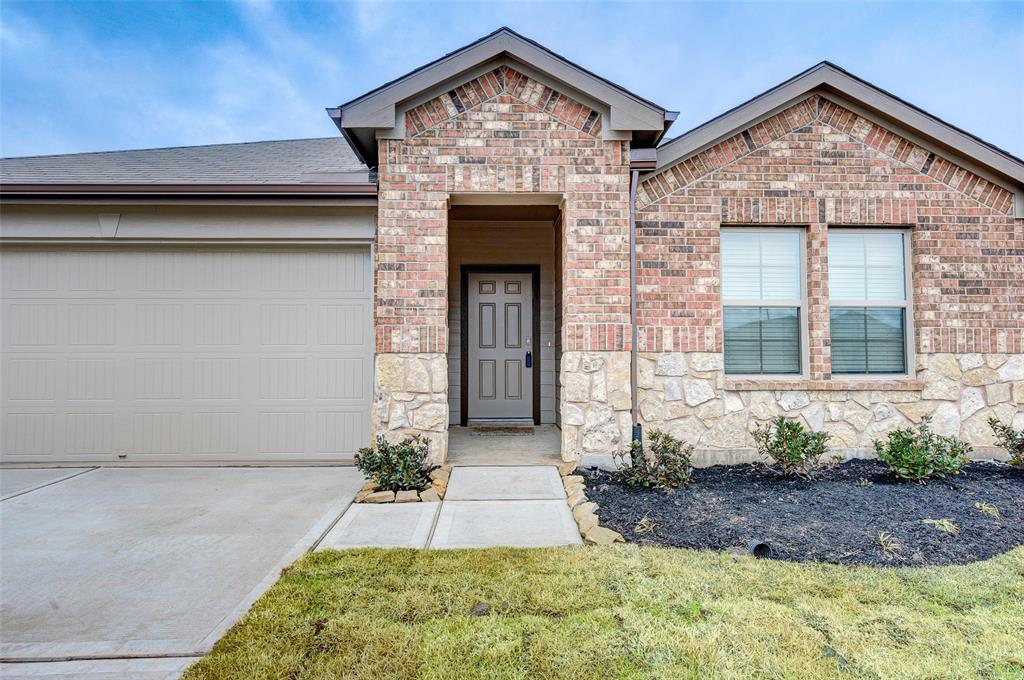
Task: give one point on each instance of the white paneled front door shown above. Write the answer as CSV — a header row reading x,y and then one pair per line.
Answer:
x,y
185,354
500,326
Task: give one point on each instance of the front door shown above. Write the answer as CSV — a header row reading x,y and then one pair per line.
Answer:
x,y
500,325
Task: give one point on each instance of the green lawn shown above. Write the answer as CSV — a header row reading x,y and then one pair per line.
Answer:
x,y
624,612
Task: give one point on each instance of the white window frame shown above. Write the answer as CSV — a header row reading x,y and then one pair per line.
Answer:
x,y
906,304
800,304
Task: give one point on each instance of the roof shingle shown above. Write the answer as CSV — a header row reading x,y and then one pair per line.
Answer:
x,y
291,161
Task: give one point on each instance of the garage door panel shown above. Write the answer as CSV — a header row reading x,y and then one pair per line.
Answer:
x,y
342,378
30,380
218,272
217,378
339,324
283,324
90,379
341,272
339,431
31,273
91,271
216,432
30,325
283,378
90,433
29,433
178,354
217,323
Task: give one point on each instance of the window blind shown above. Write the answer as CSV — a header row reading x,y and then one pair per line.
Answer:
x,y
864,267
867,267
760,266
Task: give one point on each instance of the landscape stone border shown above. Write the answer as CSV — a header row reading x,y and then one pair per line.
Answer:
x,y
430,493
583,510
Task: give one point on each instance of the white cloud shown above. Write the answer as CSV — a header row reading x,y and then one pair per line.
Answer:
x,y
269,69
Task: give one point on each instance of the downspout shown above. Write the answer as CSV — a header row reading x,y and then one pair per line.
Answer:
x,y
638,434
639,160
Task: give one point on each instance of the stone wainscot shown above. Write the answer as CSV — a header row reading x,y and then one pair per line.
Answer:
x,y
410,397
688,395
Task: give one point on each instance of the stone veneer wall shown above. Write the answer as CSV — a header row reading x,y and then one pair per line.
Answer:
x,y
595,403
687,395
410,396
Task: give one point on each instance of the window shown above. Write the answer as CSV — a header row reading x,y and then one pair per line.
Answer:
x,y
762,301
868,301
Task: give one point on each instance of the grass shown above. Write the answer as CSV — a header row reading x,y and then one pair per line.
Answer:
x,y
988,509
944,525
889,545
645,525
624,612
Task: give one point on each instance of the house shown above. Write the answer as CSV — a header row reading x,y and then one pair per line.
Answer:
x,y
502,234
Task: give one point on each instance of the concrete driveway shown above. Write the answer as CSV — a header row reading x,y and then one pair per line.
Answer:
x,y
151,565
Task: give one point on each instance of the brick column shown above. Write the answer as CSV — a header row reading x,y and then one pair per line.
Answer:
x,y
596,334
819,350
410,307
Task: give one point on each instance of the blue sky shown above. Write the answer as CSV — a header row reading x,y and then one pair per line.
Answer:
x,y
87,76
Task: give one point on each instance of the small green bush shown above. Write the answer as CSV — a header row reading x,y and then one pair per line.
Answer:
x,y
395,467
665,464
917,454
1010,439
793,449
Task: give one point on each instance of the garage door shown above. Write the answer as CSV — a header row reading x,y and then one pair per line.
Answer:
x,y
190,354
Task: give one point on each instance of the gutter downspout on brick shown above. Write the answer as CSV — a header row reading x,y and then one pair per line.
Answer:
x,y
639,160
634,178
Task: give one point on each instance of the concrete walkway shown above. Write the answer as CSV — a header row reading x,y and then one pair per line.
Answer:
x,y
466,446
134,572
485,506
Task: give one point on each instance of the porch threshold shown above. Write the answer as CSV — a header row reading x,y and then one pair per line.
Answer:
x,y
543,447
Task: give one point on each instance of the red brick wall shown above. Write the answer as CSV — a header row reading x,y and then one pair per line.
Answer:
x,y
818,164
502,132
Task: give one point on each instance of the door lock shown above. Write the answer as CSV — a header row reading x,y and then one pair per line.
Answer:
x,y
529,359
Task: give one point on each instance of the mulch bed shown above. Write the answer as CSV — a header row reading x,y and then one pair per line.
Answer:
x,y
835,518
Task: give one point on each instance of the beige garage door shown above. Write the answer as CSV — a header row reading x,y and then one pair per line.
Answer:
x,y
190,354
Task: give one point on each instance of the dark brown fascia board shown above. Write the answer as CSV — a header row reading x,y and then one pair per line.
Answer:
x,y
49,190
502,31
377,110
829,77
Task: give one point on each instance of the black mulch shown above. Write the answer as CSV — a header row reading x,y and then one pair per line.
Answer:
x,y
835,518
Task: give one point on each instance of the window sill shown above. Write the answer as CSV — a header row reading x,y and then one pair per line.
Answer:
x,y
754,384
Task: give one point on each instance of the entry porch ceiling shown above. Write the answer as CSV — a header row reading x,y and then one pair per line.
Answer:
x,y
503,213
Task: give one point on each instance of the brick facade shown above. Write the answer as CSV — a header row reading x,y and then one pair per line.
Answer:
x,y
812,165
501,132
816,165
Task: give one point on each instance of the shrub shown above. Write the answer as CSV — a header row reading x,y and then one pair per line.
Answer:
x,y
1010,439
666,464
396,467
794,450
917,454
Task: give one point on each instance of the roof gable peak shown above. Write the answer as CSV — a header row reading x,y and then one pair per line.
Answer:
x,y
377,114
502,83
833,81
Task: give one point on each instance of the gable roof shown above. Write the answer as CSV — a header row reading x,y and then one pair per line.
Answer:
x,y
628,114
287,166
827,78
